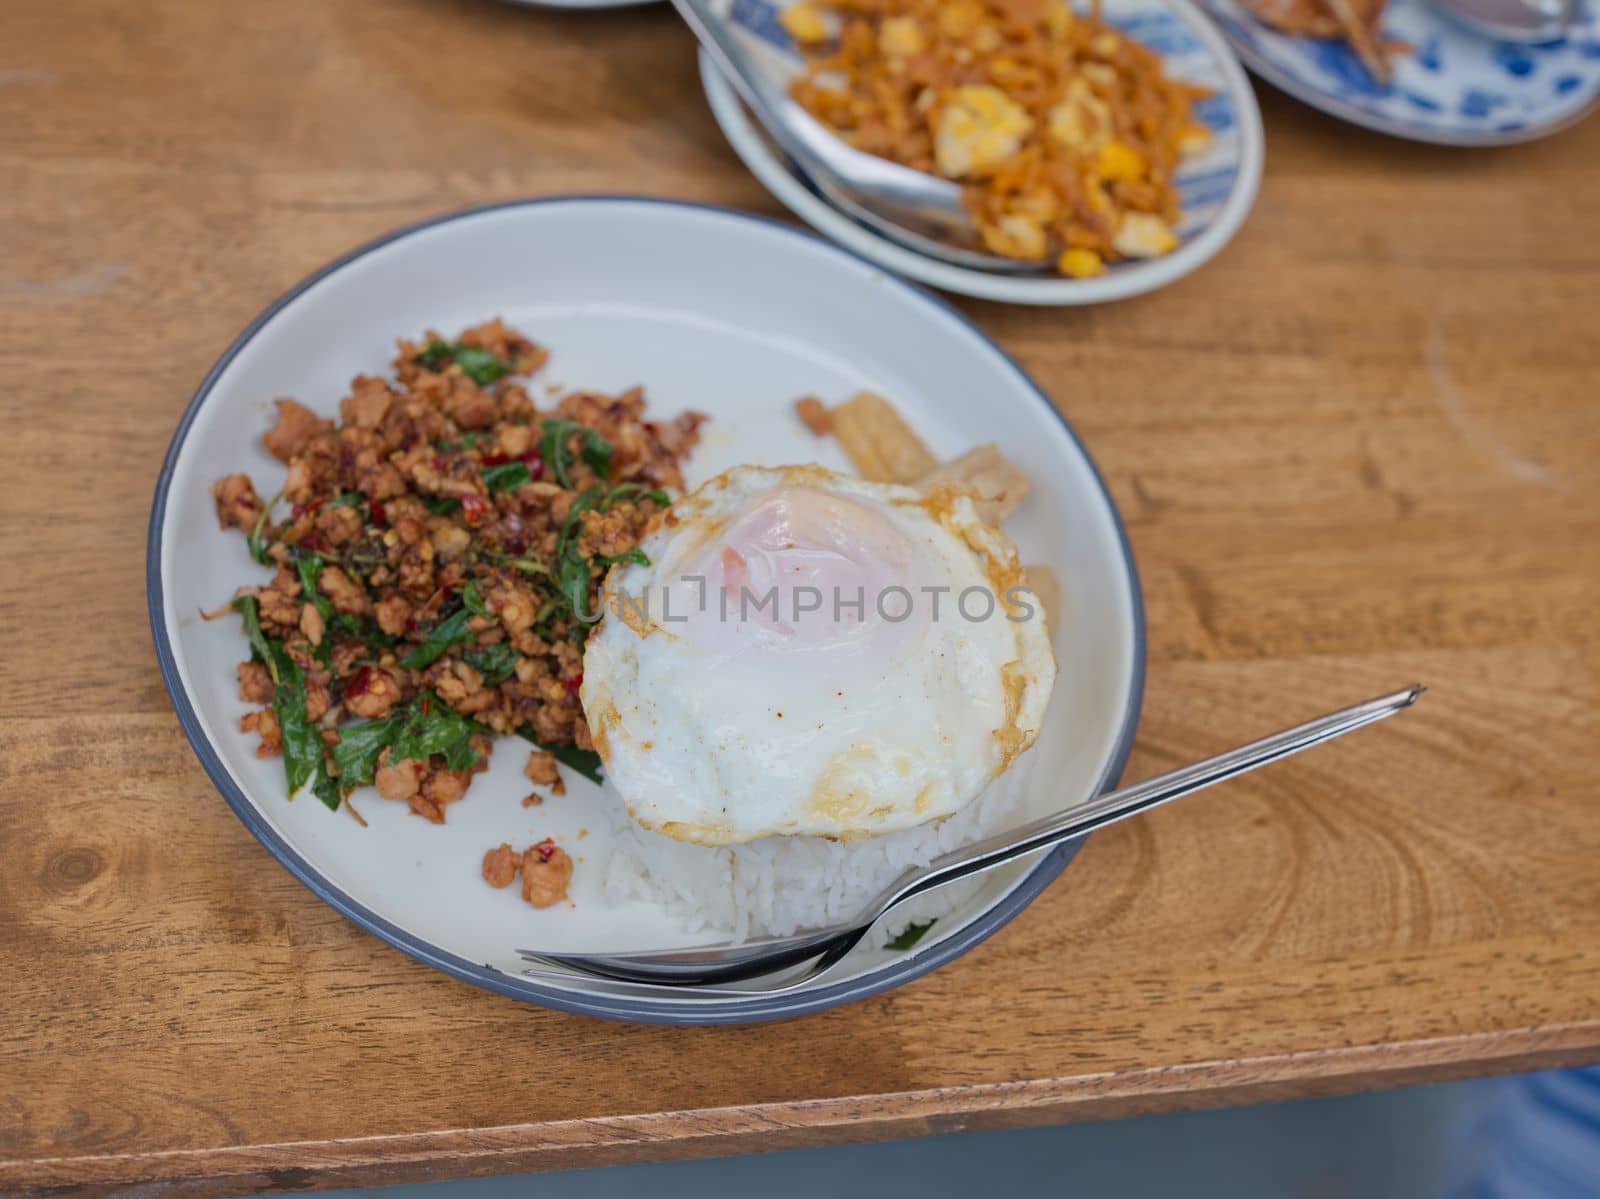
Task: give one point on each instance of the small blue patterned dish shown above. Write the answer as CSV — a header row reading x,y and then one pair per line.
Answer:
x,y
1454,87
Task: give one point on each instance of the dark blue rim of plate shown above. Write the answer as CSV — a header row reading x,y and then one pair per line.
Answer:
x,y
617,1007
1315,97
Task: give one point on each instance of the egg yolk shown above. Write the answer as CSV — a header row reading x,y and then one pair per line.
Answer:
x,y
800,569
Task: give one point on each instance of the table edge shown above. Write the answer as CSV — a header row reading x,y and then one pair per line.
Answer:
x,y
447,1154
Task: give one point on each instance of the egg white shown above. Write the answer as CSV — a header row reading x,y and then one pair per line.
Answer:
x,y
720,724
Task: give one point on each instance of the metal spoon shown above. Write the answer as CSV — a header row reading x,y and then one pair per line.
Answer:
x,y
1523,21
668,971
918,210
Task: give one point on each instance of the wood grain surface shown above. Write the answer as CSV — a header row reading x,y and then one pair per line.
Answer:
x,y
1361,447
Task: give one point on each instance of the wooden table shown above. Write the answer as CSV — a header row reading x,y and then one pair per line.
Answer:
x,y
1360,447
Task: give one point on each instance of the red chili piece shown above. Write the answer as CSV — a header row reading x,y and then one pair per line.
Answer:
x,y
546,849
474,508
359,682
573,684
377,512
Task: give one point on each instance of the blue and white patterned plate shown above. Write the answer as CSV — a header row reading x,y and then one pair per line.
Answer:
x,y
1455,87
1218,187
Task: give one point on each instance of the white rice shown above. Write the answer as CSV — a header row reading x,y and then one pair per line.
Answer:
x,y
776,885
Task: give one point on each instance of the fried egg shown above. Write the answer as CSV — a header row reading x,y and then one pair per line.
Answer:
x,y
809,653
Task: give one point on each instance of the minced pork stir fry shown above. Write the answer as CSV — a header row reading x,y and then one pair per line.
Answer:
x,y
433,550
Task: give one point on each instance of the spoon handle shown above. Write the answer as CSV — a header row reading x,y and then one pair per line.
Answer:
x,y
1141,797
733,61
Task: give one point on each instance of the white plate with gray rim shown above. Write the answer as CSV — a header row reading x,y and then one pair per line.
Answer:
x,y
710,309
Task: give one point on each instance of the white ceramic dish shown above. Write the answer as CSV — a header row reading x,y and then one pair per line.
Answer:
x,y
1455,88
1219,187
730,314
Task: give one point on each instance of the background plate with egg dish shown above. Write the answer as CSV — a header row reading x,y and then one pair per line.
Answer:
x,y
536,457
1117,146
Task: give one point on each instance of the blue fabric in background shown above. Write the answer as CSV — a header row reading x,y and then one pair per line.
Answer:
x,y
1534,1136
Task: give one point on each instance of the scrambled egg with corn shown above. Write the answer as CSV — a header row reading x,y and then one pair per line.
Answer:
x,y
1065,134
980,128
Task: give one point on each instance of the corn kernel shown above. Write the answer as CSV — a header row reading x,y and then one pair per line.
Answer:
x,y
1080,264
1119,161
803,23
900,37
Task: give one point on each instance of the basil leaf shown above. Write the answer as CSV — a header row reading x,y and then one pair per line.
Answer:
x,y
572,569
443,635
554,449
626,491
435,357
327,790
496,663
358,749
481,366
438,730
596,452
635,555
252,539
346,626
910,935
585,761
526,565
424,727
310,568
571,528
507,476
249,607
573,580
302,743
441,505
449,631
349,499
467,441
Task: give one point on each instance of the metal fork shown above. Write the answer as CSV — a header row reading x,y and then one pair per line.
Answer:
x,y
671,972
918,210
